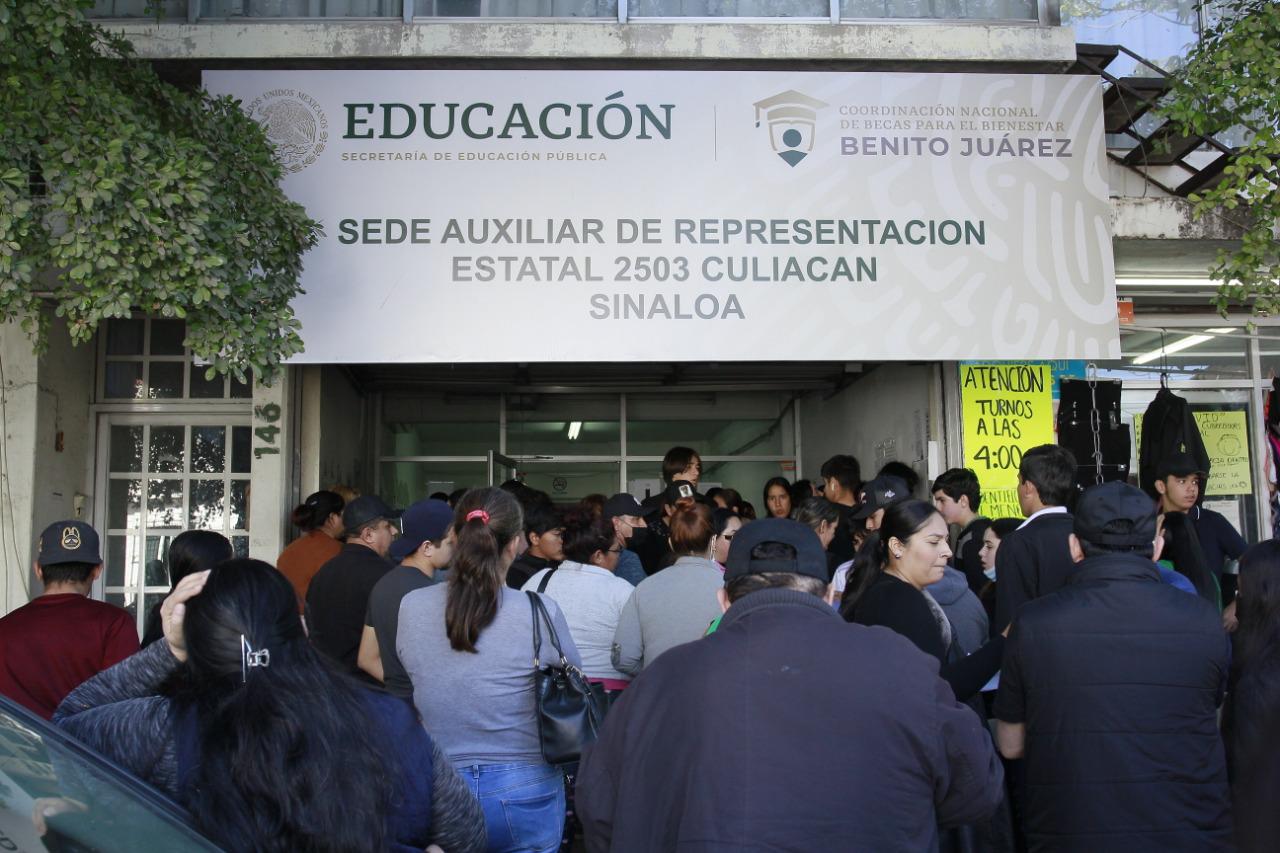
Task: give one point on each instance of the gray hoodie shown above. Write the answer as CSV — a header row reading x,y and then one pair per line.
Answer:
x,y
963,609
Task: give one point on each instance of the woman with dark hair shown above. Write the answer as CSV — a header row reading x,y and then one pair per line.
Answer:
x,y
238,718
727,498
725,523
319,518
189,552
777,498
677,604
589,595
991,537
1253,704
467,646
888,586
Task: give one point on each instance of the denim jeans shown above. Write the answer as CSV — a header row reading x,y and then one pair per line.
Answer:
x,y
523,805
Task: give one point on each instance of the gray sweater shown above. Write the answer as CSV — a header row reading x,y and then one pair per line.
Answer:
x,y
478,706
672,607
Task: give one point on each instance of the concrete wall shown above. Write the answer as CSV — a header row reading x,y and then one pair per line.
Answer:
x,y
42,479
890,413
345,451
1004,46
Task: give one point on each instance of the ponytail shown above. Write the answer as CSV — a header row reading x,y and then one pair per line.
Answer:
x,y
867,565
486,521
691,528
312,513
901,521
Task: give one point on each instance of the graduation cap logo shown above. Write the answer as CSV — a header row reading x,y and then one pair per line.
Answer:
x,y
792,119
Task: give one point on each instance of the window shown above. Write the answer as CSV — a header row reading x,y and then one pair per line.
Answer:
x,y
145,358
1161,31
572,445
162,477
100,807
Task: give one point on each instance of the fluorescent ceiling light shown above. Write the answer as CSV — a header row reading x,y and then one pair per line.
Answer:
x,y
1179,345
574,428
1170,281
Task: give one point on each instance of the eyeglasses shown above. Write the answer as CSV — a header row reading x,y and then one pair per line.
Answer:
x,y
614,551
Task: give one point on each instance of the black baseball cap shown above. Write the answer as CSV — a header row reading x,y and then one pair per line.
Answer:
x,y
1179,465
1115,514
621,504
810,559
424,521
69,541
878,493
679,490
363,510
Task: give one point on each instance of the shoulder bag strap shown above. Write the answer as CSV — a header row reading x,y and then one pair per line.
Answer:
x,y
542,585
537,632
551,628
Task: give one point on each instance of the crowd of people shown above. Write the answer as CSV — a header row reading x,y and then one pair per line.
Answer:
x,y
865,665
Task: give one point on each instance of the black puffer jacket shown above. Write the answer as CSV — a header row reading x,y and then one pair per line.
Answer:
x,y
1118,678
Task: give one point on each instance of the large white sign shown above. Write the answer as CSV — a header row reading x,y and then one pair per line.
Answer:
x,y
689,215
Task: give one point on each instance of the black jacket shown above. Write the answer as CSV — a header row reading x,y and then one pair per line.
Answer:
x,y
1118,678
786,730
1168,427
902,608
337,600
1032,561
526,566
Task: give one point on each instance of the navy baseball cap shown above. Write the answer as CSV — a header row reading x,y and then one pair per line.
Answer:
x,y
69,542
879,493
810,559
1116,514
424,521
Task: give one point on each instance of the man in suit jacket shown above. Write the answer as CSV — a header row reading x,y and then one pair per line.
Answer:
x,y
1035,559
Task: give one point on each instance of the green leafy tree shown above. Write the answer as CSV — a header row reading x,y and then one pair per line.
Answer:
x,y
119,192
1232,77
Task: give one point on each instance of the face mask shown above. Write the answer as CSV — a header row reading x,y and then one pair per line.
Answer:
x,y
639,535
990,573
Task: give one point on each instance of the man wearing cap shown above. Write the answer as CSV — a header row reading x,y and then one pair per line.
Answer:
x,y
786,729
624,513
424,548
1110,690
877,495
338,596
63,637
1179,482
1034,560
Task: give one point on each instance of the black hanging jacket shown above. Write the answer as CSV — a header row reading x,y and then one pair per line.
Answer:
x,y
1168,427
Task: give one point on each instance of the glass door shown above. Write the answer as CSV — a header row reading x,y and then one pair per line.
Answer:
x,y
161,475
568,480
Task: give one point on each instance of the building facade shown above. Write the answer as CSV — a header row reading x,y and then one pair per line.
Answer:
x,y
131,436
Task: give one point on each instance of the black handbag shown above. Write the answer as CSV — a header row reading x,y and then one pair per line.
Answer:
x,y
568,709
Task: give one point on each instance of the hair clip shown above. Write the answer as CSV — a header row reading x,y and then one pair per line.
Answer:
x,y
250,658
480,514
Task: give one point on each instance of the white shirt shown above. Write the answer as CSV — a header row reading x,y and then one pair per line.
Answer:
x,y
1049,510
591,599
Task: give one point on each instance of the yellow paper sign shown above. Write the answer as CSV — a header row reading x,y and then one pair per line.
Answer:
x,y
1007,409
